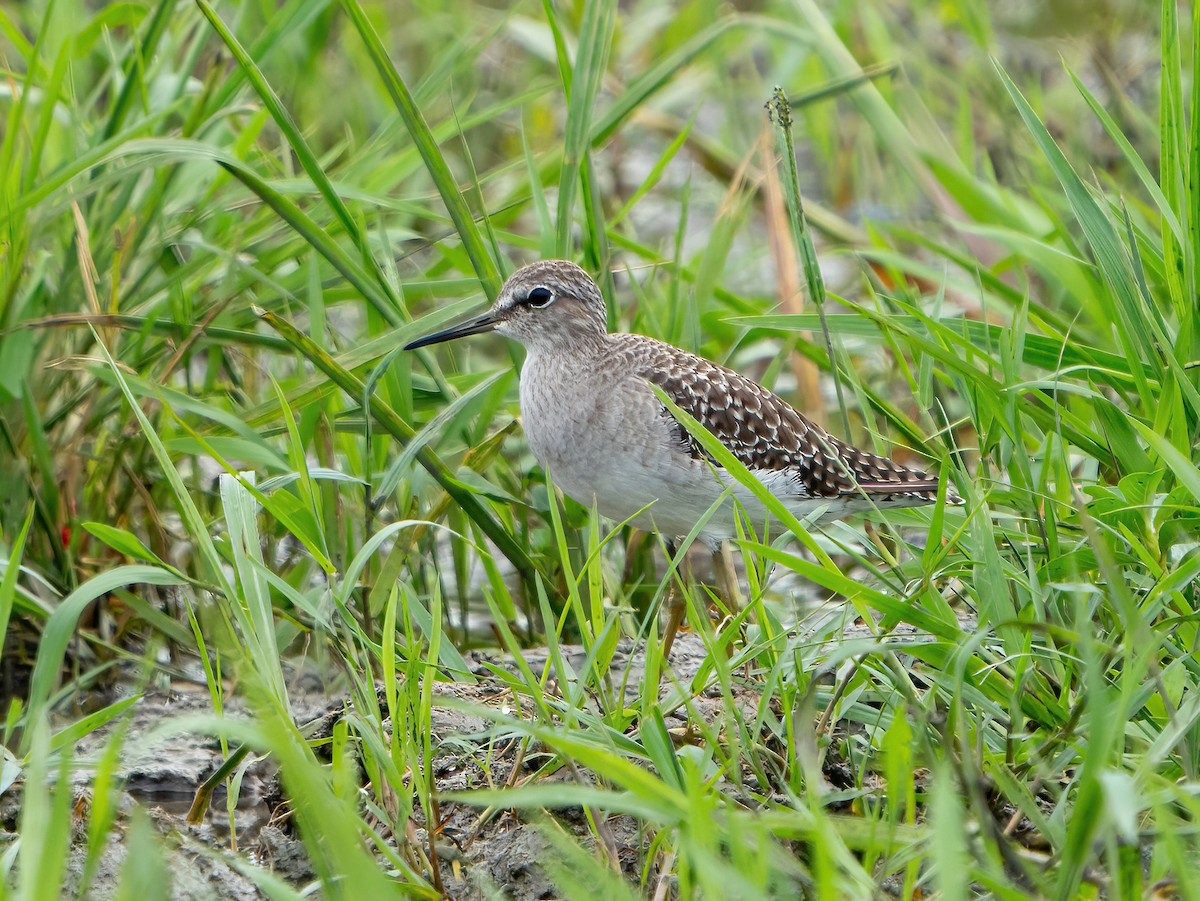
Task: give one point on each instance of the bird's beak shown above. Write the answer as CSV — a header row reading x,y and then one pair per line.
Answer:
x,y
476,326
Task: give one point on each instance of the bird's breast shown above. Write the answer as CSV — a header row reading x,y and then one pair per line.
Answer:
x,y
602,436
576,418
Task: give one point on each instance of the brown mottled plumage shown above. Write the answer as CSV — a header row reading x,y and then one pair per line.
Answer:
x,y
763,431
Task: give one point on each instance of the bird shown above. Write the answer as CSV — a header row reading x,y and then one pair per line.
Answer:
x,y
606,439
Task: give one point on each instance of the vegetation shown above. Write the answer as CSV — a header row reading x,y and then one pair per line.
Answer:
x,y
220,223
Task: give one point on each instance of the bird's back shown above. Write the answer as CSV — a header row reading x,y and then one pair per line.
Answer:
x,y
765,433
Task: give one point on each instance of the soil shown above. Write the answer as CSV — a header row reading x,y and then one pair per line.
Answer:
x,y
479,852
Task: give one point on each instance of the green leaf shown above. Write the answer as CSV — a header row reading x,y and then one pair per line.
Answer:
x,y
402,431
439,170
61,626
591,59
124,542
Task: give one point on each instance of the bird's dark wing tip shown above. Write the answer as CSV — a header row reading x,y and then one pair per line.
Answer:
x,y
917,486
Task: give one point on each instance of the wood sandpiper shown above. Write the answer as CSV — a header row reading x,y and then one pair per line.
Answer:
x,y
604,437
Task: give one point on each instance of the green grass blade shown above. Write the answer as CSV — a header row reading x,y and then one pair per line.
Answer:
x,y
320,240
1140,327
12,569
61,626
405,433
591,59
439,169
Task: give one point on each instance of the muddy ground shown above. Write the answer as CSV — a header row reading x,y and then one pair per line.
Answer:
x,y
478,851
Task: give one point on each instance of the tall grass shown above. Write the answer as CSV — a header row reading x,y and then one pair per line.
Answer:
x,y
220,223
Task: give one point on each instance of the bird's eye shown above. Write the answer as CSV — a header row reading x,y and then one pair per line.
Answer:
x,y
540,297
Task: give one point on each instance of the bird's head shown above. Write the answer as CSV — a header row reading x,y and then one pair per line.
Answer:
x,y
551,302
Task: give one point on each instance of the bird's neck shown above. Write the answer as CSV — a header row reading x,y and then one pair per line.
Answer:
x,y
573,344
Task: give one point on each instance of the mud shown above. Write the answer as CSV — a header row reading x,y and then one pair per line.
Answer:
x,y
479,852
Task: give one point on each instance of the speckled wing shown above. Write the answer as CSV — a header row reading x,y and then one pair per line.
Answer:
x,y
762,430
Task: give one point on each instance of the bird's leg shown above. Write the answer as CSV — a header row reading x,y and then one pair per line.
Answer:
x,y
676,604
727,580
636,540
727,585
